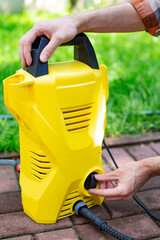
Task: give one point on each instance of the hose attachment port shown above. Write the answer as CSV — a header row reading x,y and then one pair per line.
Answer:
x,y
90,182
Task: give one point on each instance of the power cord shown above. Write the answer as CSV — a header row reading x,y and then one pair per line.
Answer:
x,y
134,197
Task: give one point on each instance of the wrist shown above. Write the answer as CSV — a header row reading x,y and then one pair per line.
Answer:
x,y
156,166
151,166
80,21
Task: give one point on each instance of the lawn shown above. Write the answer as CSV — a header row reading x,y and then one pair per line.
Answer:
x,y
133,63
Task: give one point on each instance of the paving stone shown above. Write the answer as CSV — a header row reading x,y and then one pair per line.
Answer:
x,y
12,155
120,155
141,151
154,182
8,180
130,140
138,227
154,238
19,223
156,147
28,237
65,234
123,208
90,232
98,210
157,214
150,198
105,166
10,202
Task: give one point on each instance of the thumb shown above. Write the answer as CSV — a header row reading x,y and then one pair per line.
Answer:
x,y
49,50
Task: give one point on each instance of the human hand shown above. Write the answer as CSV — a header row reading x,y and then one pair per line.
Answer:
x,y
58,30
123,182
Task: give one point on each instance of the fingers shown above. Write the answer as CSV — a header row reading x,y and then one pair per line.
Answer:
x,y
27,53
109,194
51,47
112,194
103,185
107,176
111,190
109,184
25,44
55,30
21,54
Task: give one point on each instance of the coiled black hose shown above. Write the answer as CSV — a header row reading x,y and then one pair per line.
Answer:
x,y
114,233
81,208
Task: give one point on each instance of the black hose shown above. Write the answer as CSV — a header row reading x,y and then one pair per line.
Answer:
x,y
134,197
114,233
146,209
81,208
110,154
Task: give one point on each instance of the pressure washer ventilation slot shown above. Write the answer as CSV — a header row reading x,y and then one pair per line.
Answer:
x,y
77,118
67,207
40,165
73,197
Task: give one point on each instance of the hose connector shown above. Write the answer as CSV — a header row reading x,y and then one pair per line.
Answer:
x,y
81,208
78,206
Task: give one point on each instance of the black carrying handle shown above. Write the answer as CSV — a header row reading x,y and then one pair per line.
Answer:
x,y
83,52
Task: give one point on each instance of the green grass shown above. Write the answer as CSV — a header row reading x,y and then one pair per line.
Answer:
x,y
133,73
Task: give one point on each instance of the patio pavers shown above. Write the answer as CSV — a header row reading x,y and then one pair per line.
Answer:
x,y
125,215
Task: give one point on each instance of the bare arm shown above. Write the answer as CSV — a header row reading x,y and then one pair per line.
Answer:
x,y
130,178
118,18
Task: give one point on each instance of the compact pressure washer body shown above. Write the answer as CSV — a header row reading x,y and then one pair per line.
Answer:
x,y
61,109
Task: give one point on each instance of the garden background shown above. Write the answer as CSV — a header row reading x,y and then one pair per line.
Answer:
x,y
133,61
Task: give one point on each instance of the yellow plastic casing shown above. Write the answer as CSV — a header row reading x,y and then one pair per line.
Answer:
x,y
61,120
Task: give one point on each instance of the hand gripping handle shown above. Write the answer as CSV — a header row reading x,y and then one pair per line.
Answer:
x,y
83,52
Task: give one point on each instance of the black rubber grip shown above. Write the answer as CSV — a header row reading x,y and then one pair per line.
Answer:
x,y
83,52
37,68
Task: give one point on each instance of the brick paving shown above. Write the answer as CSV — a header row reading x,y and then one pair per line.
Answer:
x,y
125,216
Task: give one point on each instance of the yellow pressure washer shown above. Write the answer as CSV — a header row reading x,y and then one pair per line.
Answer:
x,y
61,109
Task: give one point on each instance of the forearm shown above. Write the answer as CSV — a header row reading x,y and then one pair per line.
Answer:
x,y
151,166
118,18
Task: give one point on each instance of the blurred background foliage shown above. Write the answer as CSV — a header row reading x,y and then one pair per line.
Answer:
x,y
53,6
132,60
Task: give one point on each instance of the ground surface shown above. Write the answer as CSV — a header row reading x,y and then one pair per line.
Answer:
x,y
125,216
